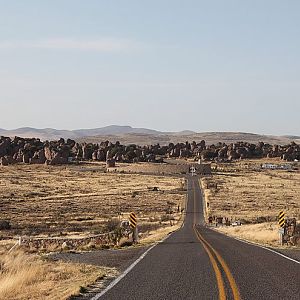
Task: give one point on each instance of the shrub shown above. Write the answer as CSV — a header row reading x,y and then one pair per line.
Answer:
x,y
4,225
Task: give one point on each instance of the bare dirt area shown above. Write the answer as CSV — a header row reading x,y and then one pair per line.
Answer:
x,y
80,200
255,196
169,167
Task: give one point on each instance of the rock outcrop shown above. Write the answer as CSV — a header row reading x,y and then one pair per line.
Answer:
x,y
34,151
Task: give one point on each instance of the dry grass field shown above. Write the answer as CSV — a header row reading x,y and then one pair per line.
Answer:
x,y
243,191
75,201
27,276
79,200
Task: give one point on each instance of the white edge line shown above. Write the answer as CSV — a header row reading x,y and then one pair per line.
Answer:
x,y
113,283
257,245
118,279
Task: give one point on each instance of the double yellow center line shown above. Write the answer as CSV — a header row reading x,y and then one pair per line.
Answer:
x,y
216,258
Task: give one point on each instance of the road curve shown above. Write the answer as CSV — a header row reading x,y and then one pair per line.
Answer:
x,y
196,262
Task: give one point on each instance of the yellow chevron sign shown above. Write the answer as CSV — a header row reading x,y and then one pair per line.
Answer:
x,y
133,220
281,219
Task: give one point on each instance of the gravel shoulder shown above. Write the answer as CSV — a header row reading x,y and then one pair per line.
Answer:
x,y
119,259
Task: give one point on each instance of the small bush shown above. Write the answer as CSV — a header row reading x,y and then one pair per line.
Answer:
x,y
261,220
167,217
4,225
82,290
112,225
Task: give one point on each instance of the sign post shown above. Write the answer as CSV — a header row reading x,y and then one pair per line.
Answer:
x,y
133,224
281,223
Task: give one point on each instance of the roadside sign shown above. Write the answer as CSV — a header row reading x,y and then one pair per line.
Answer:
x,y
133,220
281,230
281,219
193,170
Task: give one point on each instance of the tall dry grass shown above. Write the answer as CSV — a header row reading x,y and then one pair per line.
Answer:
x,y
265,233
26,276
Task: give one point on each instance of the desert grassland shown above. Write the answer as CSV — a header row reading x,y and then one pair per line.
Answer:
x,y
242,191
75,201
27,276
79,200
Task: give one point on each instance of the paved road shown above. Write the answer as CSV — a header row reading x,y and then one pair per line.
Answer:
x,y
198,263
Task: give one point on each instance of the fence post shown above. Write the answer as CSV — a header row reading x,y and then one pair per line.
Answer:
x,y
135,235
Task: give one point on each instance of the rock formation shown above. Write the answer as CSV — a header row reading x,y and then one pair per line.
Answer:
x,y
34,151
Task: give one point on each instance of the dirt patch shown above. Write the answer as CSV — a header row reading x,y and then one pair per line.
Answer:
x,y
157,168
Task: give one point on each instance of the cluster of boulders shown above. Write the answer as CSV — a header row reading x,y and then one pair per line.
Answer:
x,y
34,151
244,150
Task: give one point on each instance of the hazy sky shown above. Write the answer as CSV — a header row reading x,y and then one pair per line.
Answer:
x,y
168,65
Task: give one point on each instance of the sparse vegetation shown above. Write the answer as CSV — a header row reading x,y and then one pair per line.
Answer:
x,y
80,200
242,191
27,276
265,233
74,201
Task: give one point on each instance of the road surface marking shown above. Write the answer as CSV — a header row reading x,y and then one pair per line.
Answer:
x,y
118,279
220,282
113,283
260,246
232,283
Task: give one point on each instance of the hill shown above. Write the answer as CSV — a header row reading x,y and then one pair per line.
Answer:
x,y
209,137
144,136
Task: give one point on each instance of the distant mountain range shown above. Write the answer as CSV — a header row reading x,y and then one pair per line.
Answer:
x,y
131,135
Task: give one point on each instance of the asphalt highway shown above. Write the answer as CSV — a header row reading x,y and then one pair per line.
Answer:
x,y
197,262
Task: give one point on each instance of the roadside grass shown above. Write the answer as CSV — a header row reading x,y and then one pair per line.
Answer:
x,y
265,233
26,276
159,234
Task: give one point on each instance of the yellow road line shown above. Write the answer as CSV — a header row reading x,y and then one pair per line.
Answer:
x,y
220,282
194,187
208,248
233,285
